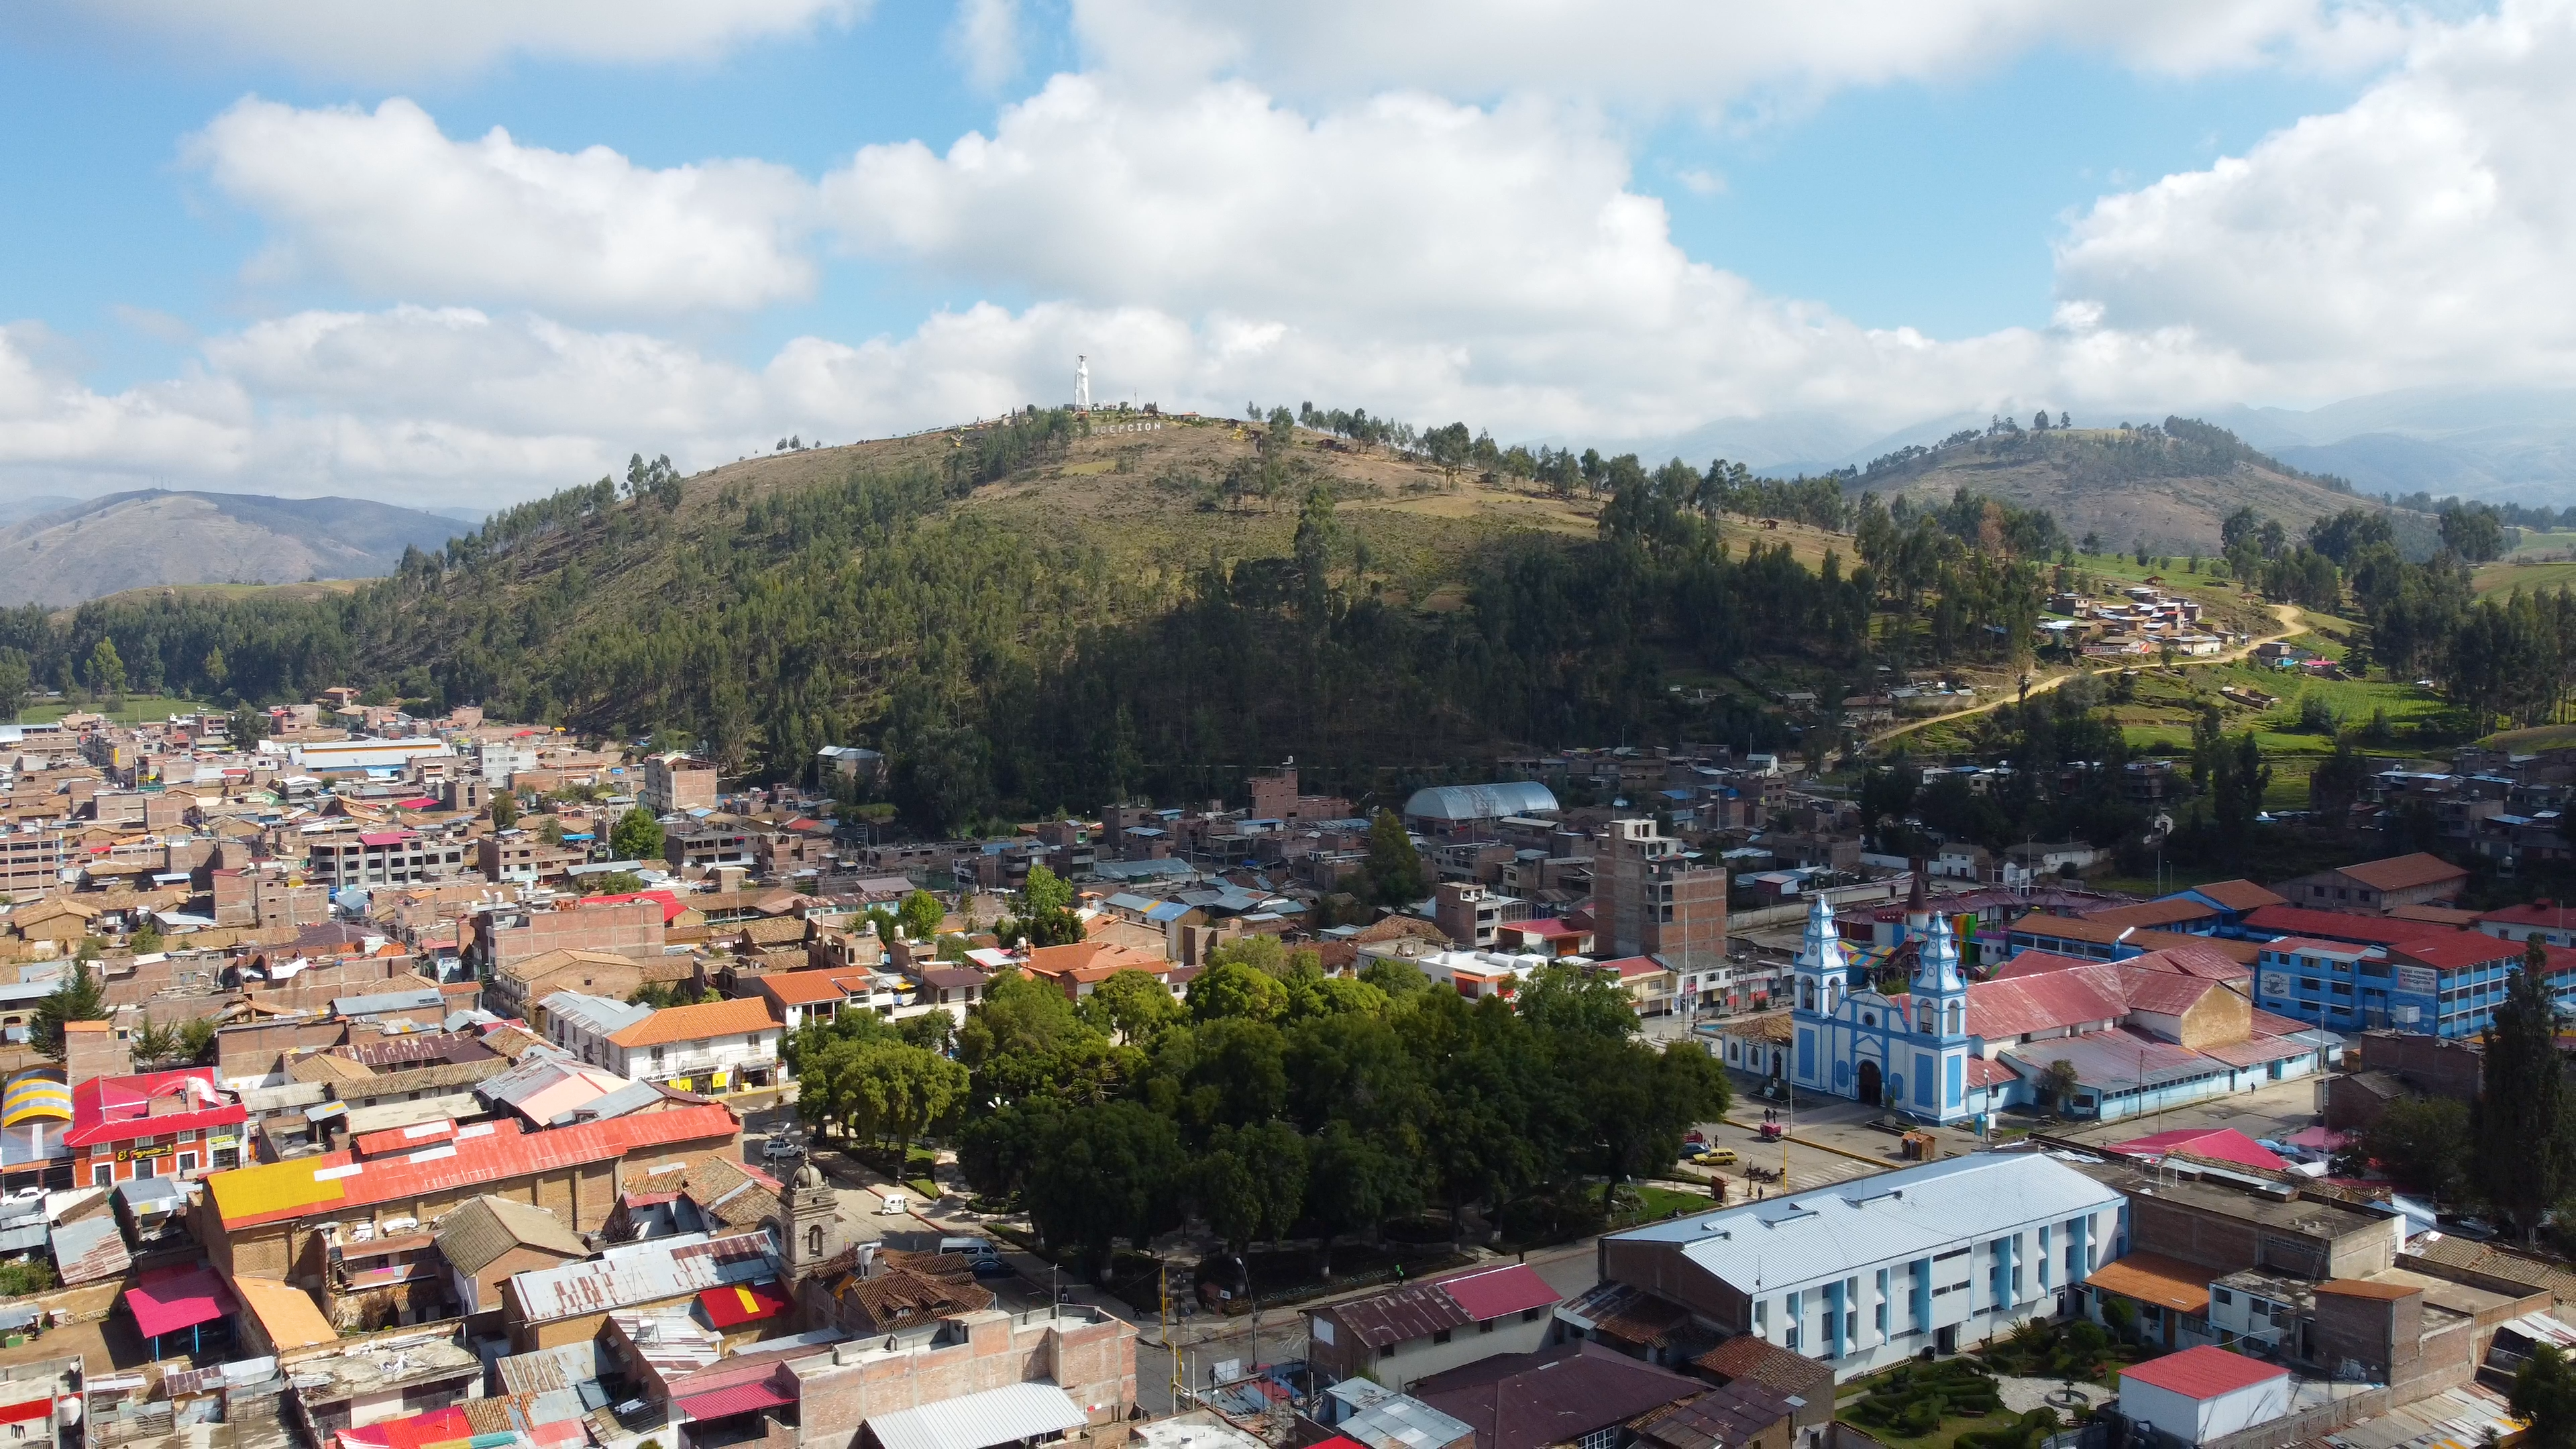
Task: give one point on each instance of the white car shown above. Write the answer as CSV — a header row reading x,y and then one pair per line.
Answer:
x,y
896,1205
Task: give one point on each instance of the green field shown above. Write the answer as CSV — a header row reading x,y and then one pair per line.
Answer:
x,y
133,709
2506,575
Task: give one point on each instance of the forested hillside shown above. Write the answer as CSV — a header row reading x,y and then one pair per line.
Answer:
x,y
1056,611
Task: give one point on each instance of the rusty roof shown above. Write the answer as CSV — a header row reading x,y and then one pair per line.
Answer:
x,y
896,1296
1749,1356
2404,872
1381,1320
661,1270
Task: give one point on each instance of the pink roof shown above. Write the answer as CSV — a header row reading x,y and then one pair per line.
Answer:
x,y
2033,963
670,903
740,1399
386,837
167,1299
2225,1145
2203,1373
1631,966
1499,1292
579,1087
116,1109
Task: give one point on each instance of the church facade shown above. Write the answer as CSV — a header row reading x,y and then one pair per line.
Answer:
x,y
1910,1053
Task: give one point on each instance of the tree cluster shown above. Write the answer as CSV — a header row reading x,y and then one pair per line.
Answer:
x,y
1280,1102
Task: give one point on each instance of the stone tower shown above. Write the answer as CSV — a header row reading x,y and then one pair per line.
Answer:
x,y
813,1233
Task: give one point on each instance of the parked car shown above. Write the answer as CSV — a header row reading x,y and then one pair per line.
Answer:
x,y
1715,1157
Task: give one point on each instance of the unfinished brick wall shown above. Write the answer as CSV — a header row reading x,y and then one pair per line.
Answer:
x,y
1094,1363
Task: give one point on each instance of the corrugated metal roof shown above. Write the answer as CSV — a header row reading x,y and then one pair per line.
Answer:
x,y
548,1369
1398,1315
1480,802
980,1421
649,1272
90,1249
1813,1237
1400,1421
280,1190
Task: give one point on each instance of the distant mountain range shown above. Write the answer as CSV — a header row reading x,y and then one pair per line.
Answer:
x,y
2513,445
83,549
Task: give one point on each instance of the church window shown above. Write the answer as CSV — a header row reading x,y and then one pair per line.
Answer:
x,y
1806,996
814,1240
1956,1011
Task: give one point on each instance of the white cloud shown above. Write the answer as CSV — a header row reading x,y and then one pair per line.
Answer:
x,y
986,36
402,40
2418,236
386,203
1693,55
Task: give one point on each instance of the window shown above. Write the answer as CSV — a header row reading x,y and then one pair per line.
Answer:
x,y
1599,1439
102,1174
1485,1326
187,1162
1440,1335
2224,1296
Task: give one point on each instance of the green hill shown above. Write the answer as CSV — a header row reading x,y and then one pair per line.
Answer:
x,y
2167,486
1051,612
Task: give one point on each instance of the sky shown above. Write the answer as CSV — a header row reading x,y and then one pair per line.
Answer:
x,y
458,253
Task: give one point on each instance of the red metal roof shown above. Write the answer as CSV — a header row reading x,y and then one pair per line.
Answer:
x,y
736,1304
116,1109
488,1158
2548,915
165,1300
2462,949
386,837
2224,1145
2203,1373
2338,926
1492,1293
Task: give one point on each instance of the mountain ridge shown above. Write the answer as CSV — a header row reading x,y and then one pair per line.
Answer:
x,y
89,548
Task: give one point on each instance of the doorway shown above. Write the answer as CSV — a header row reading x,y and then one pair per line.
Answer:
x,y
1869,1083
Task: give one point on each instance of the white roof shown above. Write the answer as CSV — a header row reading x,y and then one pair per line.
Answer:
x,y
1893,1217
980,1421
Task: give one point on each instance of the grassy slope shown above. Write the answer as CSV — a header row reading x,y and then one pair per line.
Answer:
x,y
2556,573
2173,515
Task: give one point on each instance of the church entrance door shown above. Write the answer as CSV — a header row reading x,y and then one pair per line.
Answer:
x,y
1869,1083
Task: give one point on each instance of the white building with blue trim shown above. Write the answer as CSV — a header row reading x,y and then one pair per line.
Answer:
x,y
1912,1051
1866,1273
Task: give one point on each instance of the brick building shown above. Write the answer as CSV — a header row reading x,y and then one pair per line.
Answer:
x,y
278,1220
1082,1351
160,1124
1650,897
677,782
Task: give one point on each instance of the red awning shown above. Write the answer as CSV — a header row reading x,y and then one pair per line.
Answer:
x,y
739,1303
740,1399
20,1413
166,1300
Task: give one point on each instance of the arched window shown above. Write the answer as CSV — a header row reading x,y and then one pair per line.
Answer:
x,y
1957,1011
1806,996
814,1240
1925,1016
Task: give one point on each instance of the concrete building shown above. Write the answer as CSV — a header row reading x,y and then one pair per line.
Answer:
x,y
1650,897
1863,1274
845,1396
2377,885
714,1046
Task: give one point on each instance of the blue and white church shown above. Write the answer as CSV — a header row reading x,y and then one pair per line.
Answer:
x,y
1911,1053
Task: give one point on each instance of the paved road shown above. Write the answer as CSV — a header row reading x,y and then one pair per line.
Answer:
x,y
2293,622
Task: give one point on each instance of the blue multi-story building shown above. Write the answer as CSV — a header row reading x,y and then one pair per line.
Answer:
x,y
2444,985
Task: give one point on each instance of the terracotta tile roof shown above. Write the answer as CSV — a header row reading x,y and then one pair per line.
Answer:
x,y
2239,895
2154,913
1747,1356
738,1017
2404,872
895,1296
